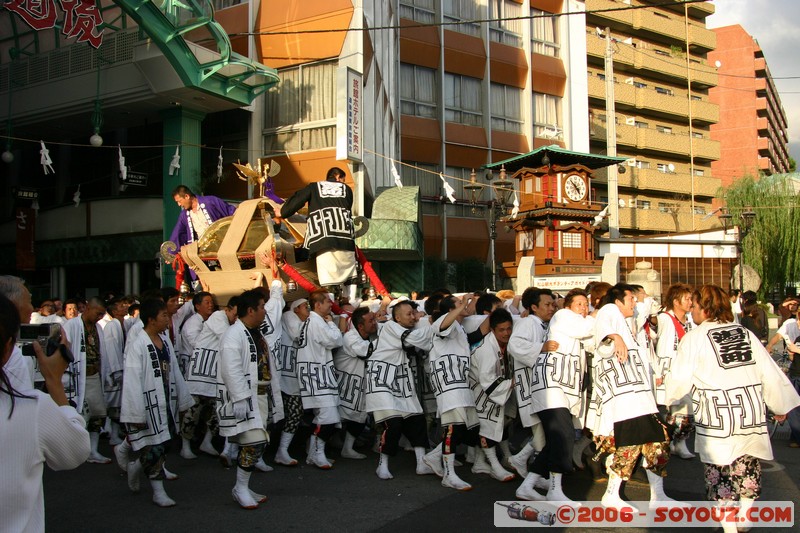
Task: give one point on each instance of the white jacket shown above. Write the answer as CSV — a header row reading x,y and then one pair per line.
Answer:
x,y
730,377
449,363
350,362
75,376
620,391
237,380
315,373
143,396
112,363
491,387
525,345
201,373
389,380
558,376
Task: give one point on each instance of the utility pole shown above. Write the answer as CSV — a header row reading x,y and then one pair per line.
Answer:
x,y
611,140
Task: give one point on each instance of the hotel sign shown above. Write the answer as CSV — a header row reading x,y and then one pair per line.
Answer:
x,y
349,116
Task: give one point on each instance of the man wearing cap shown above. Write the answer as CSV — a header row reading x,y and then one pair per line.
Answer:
x,y
319,336
286,362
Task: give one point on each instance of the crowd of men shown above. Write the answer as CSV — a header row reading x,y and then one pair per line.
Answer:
x,y
589,372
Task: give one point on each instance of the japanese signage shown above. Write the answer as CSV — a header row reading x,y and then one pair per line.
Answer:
x,y
136,178
564,283
81,18
26,231
348,123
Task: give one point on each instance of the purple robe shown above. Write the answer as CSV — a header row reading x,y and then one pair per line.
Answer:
x,y
212,207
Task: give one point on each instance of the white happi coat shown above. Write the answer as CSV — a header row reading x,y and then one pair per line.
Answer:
x,y
237,379
491,386
271,330
201,373
75,376
730,378
666,346
421,371
350,363
620,391
143,396
315,374
286,357
558,376
190,332
389,380
112,362
525,345
449,363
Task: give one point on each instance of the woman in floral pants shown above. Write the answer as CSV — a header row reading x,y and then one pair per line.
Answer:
x,y
732,379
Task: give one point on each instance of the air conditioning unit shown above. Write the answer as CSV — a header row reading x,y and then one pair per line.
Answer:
x,y
629,81
629,40
632,203
631,162
630,121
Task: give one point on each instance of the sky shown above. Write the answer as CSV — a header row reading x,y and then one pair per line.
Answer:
x,y
775,24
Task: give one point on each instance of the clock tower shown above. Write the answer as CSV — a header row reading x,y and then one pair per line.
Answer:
x,y
557,216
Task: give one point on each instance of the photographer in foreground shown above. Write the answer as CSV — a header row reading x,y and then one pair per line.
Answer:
x,y
36,428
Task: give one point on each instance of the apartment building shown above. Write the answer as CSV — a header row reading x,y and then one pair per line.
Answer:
x,y
752,127
664,113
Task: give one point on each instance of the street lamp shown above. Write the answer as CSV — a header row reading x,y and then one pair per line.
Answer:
x,y
743,223
502,188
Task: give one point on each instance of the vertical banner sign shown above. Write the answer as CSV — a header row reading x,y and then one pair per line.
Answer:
x,y
26,231
348,115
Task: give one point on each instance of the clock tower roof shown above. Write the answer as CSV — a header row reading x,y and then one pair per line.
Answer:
x,y
556,156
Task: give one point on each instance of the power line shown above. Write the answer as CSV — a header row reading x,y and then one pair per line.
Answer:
x,y
464,22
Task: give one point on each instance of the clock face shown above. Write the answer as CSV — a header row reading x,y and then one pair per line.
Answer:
x,y
575,188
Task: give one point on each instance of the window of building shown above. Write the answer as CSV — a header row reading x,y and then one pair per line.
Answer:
x,y
697,135
637,163
696,98
571,240
666,207
544,33
462,11
639,85
300,111
423,11
699,172
504,26
222,4
426,177
506,105
640,124
661,52
601,76
546,114
664,129
462,100
644,204
662,90
699,210
417,91
662,167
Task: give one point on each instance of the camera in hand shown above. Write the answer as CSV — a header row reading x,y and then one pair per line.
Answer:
x,y
47,335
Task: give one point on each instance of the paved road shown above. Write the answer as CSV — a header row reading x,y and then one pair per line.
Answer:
x,y
348,498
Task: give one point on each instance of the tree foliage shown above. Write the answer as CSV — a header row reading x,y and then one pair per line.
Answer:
x,y
772,247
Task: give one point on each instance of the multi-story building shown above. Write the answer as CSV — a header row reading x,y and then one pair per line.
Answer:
x,y
476,81
752,123
664,114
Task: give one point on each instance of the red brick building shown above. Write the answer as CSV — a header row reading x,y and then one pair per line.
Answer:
x,y
752,123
